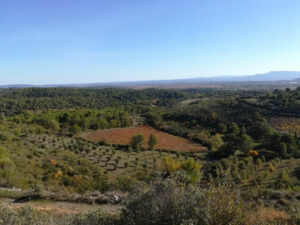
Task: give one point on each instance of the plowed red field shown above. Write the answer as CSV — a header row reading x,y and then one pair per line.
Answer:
x,y
123,136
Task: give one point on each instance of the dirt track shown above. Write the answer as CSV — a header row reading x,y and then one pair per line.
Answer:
x,y
60,208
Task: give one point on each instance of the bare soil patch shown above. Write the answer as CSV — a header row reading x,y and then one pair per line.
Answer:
x,y
123,135
61,208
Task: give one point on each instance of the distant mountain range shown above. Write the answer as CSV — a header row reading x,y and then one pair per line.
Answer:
x,y
271,76
274,76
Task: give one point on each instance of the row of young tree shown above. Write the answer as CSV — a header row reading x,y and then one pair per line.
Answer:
x,y
138,141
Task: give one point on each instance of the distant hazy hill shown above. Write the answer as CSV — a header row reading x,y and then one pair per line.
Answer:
x,y
271,76
274,76
279,75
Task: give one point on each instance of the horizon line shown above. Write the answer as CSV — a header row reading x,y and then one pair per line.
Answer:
x,y
146,81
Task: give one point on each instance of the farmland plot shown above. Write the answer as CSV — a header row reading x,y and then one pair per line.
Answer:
x,y
123,135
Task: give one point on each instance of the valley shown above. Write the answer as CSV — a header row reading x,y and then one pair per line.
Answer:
x,y
67,149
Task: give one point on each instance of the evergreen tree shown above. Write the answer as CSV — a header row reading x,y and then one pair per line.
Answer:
x,y
137,141
216,142
234,129
246,142
152,141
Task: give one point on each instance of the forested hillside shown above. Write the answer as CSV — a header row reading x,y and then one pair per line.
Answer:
x,y
78,145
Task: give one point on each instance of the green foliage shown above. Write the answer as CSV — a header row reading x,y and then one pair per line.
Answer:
x,y
216,142
225,163
192,168
171,165
53,125
152,141
283,175
5,160
234,129
166,203
283,149
137,141
153,119
17,100
125,183
23,216
246,142
29,158
5,136
222,128
81,119
259,162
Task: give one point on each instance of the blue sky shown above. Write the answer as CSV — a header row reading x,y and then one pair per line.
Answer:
x,y
76,41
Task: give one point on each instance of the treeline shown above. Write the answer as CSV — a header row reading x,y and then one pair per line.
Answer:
x,y
18,100
76,120
283,101
227,125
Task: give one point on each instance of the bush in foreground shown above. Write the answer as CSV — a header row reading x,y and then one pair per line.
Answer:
x,y
23,216
164,203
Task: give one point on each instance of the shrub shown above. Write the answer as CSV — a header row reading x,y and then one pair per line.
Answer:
x,y
259,162
152,141
234,129
271,167
5,160
283,175
125,183
171,165
191,167
246,142
137,141
225,163
222,128
23,216
5,136
216,142
166,203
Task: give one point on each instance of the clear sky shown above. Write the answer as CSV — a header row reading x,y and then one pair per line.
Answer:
x,y
85,41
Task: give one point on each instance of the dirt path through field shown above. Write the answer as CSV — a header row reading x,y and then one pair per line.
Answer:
x,y
188,101
61,208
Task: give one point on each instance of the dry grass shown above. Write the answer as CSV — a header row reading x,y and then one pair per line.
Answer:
x,y
286,124
269,215
123,136
61,208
